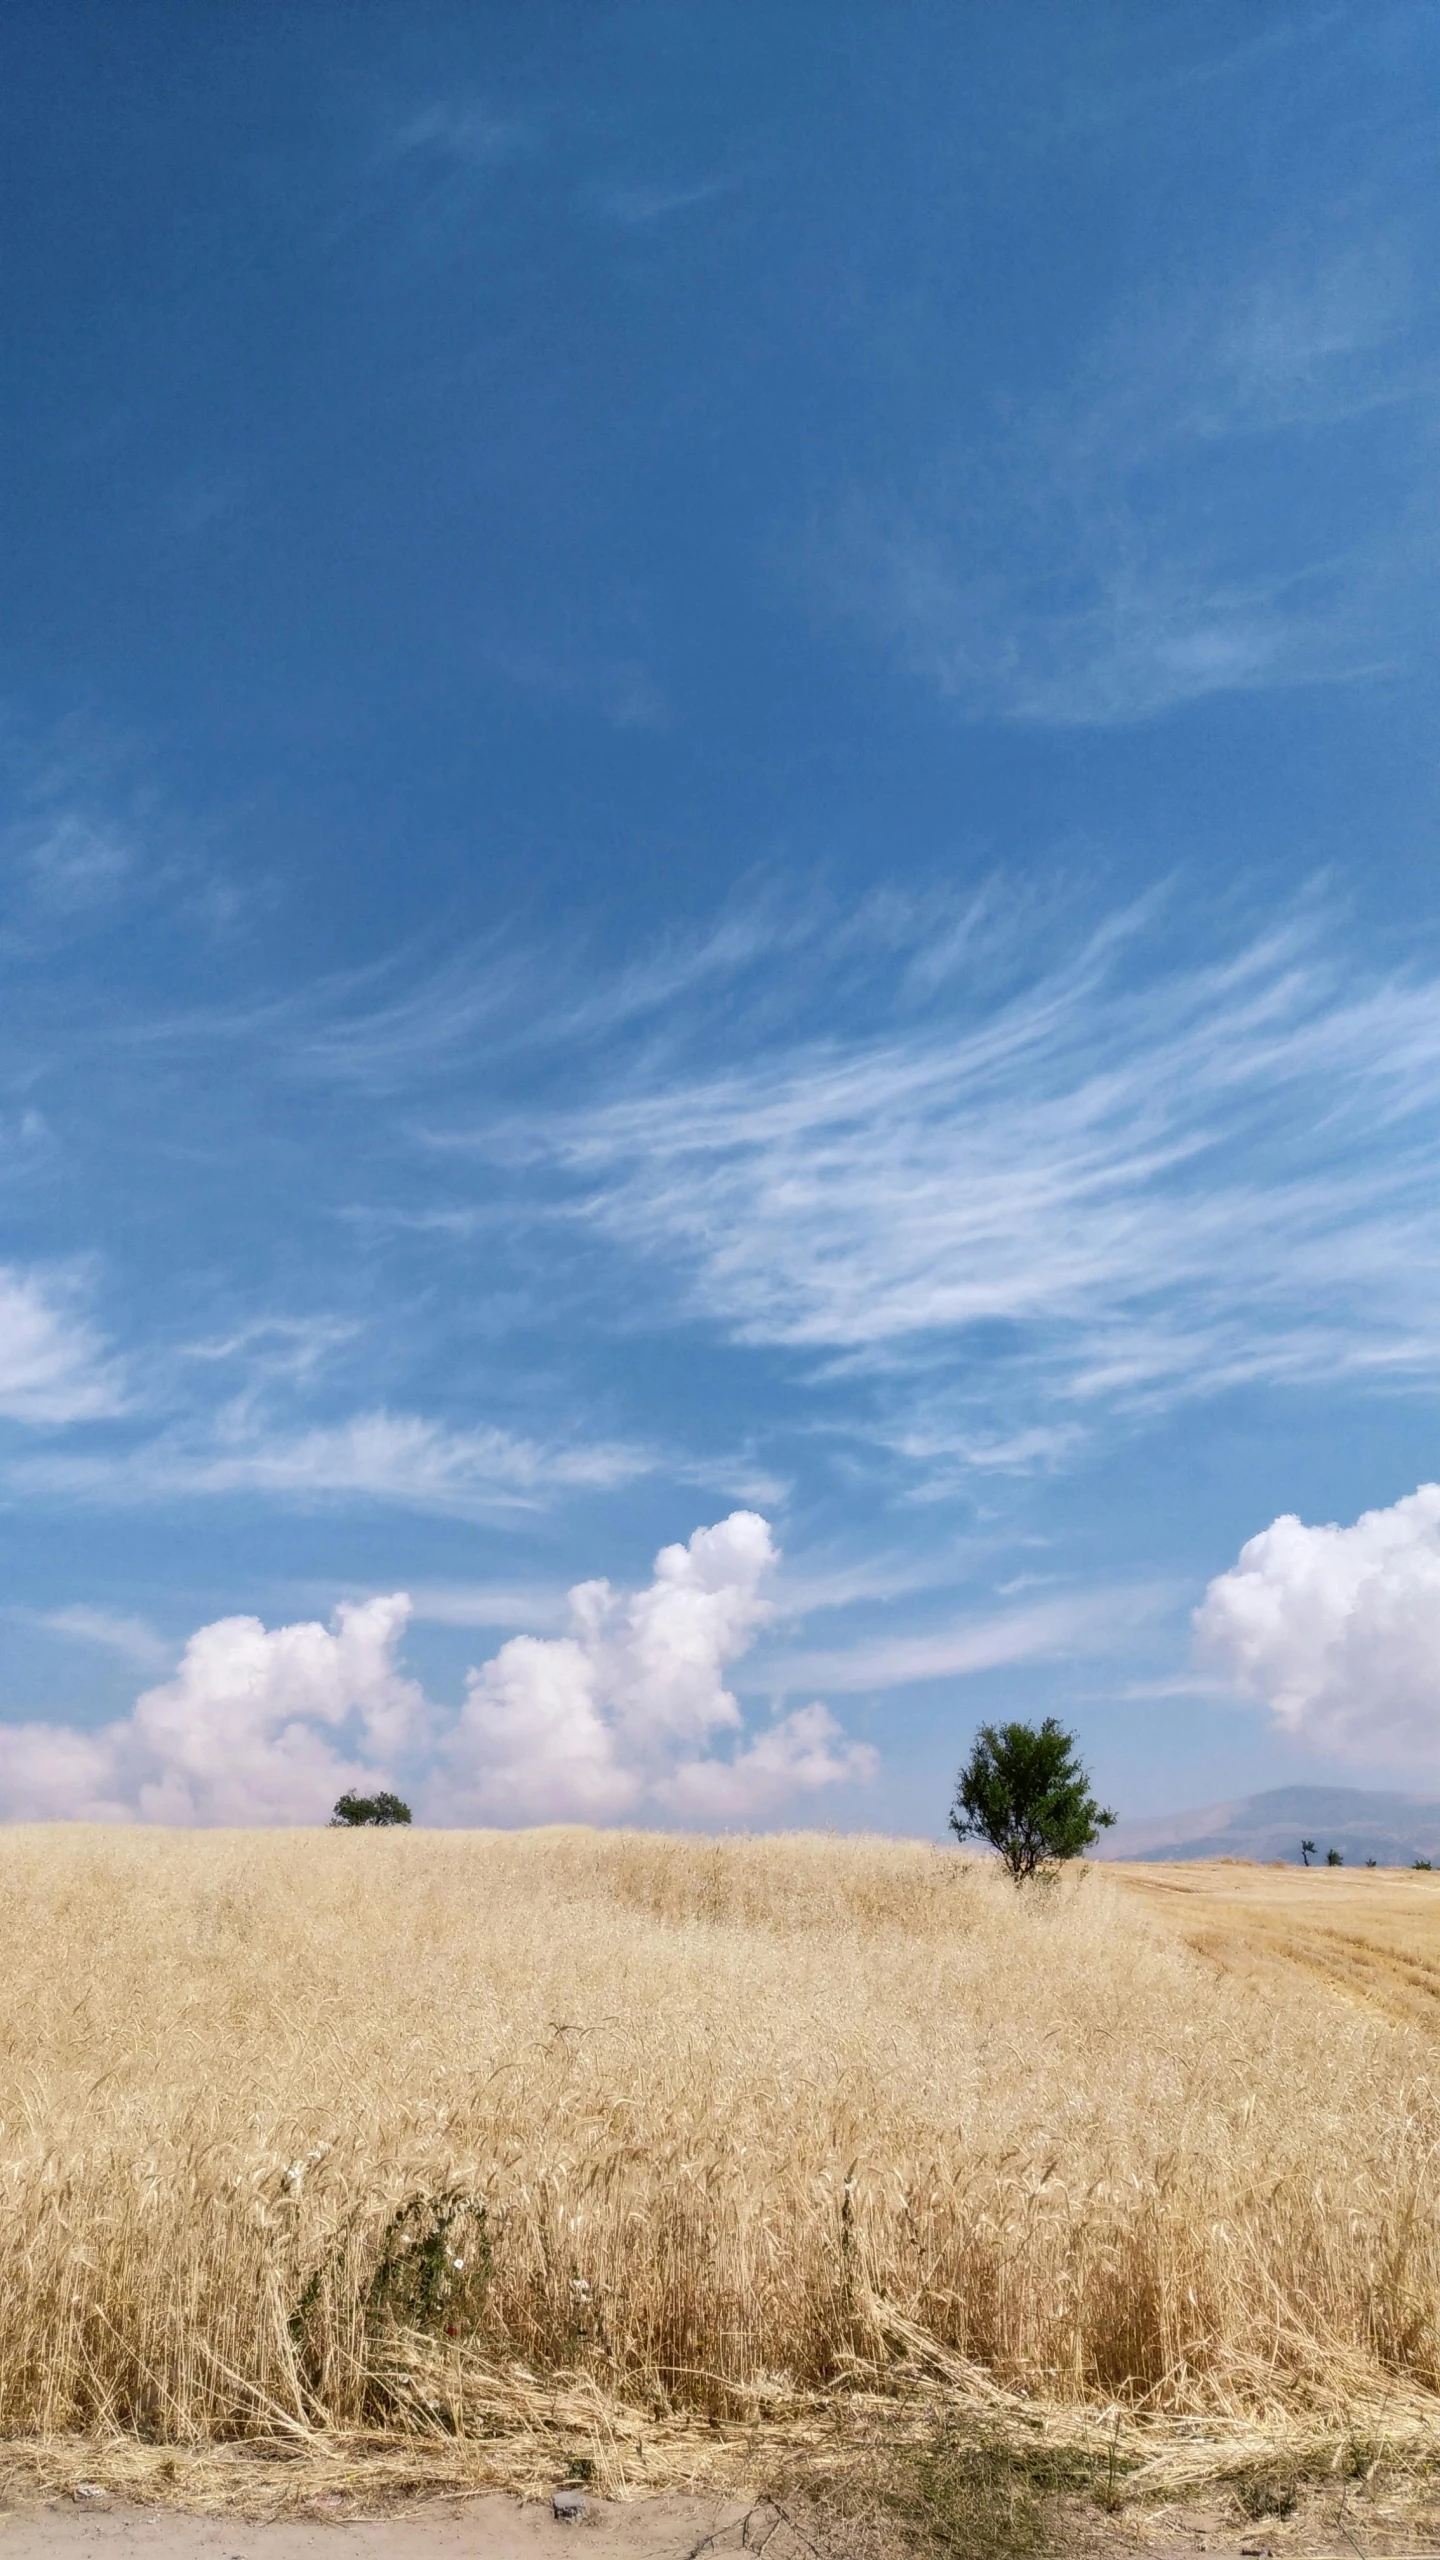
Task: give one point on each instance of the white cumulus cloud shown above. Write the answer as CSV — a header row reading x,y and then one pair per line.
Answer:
x,y
1338,1629
51,1773
622,1710
257,1725
797,1753
269,1724
247,1730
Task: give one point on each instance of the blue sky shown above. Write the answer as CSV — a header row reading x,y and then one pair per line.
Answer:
x,y
718,751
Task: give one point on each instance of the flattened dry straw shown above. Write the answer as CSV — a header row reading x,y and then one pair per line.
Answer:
x,y
768,2136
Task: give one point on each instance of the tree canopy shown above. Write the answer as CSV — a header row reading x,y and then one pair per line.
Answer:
x,y
1024,1791
353,1812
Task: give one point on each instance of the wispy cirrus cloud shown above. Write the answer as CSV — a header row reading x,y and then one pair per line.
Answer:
x,y
617,686
636,204
983,1210
87,844
398,1458
1140,545
134,1639
55,1367
74,864
816,1585
1066,1627
485,1604
274,1347
408,1023
1099,1194
464,130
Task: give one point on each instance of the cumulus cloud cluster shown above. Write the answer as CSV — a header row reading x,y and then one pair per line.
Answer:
x,y
1338,1629
621,1711
257,1725
616,1716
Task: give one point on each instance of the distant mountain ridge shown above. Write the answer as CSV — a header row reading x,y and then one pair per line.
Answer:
x,y
1361,1822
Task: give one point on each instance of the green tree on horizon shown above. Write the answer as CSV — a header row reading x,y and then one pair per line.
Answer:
x,y
356,1813
1023,1790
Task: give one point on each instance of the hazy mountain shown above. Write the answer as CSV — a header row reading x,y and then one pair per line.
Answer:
x,y
1362,1822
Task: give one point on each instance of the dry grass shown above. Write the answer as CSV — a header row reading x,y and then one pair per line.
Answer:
x,y
782,2140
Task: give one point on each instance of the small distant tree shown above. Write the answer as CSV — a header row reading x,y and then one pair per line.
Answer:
x,y
1334,1857
1423,1866
1372,1862
1307,1852
353,1812
1023,1789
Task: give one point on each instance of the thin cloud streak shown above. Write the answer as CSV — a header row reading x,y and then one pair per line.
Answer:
x,y
465,1604
1051,1630
808,1592
134,1639
398,1458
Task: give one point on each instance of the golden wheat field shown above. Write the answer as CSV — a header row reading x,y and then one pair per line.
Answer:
x,y
448,2135
1372,1938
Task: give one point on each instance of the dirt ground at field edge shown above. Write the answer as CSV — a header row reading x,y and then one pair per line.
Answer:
x,y
495,2526
492,2524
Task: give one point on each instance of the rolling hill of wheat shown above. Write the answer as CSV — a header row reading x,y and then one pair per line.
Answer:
x,y
385,2131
